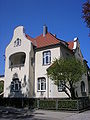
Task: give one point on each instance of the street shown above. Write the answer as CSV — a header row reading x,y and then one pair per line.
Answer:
x,y
26,114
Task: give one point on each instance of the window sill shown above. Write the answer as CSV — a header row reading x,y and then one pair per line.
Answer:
x,y
60,90
46,64
41,90
13,66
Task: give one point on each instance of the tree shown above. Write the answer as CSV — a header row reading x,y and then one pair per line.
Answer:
x,y
1,86
69,70
86,12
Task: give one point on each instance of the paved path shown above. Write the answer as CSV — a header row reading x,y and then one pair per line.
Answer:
x,y
51,115
25,114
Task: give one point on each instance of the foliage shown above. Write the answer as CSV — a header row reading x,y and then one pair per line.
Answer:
x,y
47,104
1,86
67,104
70,70
86,12
63,104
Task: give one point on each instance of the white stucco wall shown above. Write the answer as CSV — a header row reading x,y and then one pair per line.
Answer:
x,y
40,71
21,71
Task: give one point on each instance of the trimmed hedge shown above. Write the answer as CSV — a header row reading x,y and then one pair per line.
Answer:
x,y
17,102
50,104
47,104
63,104
67,104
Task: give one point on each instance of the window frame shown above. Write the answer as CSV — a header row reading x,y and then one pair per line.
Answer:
x,y
46,58
41,83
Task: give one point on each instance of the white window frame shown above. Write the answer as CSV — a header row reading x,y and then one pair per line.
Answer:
x,y
46,57
41,84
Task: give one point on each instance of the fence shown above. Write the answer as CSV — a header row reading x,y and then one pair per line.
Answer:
x,y
63,104
50,104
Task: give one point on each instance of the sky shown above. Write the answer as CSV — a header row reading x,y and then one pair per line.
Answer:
x,y
62,17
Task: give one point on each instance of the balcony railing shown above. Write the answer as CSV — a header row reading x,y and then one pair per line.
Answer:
x,y
18,65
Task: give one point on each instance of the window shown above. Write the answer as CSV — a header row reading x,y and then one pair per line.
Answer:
x,y
46,57
82,86
15,85
41,84
17,42
17,59
61,86
83,92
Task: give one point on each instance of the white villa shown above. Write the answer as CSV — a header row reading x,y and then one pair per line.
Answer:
x,y
27,60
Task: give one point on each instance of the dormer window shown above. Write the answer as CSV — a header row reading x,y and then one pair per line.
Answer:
x,y
17,42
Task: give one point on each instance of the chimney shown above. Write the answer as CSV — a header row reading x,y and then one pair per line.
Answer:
x,y
44,30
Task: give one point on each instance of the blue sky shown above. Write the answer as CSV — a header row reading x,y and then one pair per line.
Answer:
x,y
63,18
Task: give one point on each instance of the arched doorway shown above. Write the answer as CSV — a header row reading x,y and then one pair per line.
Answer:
x,y
15,87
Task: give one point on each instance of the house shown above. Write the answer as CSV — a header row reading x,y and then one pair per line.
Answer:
x,y
27,60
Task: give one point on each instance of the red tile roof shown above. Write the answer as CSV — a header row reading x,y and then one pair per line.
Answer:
x,y
47,40
41,41
31,39
70,45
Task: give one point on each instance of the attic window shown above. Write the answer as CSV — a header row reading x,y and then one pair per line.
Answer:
x,y
17,42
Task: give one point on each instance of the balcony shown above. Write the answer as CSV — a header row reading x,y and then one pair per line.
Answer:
x,y
17,60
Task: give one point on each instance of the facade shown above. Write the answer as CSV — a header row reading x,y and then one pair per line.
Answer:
x,y
27,60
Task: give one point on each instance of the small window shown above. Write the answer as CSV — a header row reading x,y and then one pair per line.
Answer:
x,y
61,86
17,42
41,84
46,57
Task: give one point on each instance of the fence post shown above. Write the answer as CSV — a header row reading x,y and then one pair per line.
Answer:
x,y
77,104
38,103
57,104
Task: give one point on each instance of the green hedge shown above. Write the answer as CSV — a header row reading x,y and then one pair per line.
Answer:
x,y
17,102
67,104
50,104
64,104
47,104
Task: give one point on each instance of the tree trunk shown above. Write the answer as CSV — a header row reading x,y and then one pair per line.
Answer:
x,y
72,90
67,93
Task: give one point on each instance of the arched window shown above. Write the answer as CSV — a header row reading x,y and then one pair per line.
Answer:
x,y
82,87
17,59
15,84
